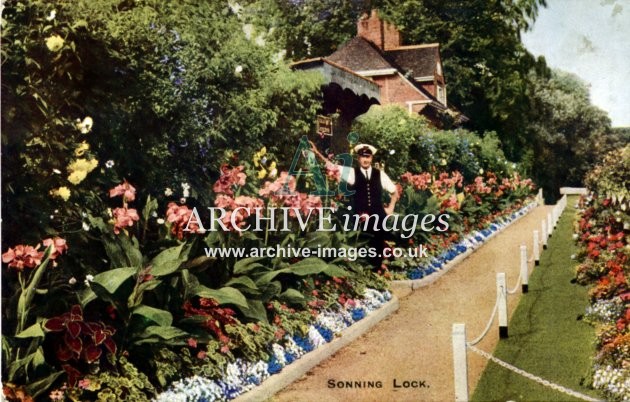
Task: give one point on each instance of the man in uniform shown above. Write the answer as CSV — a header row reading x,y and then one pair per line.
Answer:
x,y
368,184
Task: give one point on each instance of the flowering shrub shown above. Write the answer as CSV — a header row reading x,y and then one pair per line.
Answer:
x,y
603,235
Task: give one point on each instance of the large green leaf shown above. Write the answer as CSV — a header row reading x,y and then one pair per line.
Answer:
x,y
255,310
111,280
160,317
163,332
225,295
308,266
242,281
34,331
86,295
168,261
318,239
36,388
292,296
246,265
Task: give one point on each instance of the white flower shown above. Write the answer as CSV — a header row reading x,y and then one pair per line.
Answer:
x,y
573,256
160,221
182,200
392,151
481,171
109,164
72,280
88,279
85,126
168,192
51,16
186,188
86,227
56,171
575,236
238,70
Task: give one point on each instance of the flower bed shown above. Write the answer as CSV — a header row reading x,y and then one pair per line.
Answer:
x,y
242,376
603,235
438,260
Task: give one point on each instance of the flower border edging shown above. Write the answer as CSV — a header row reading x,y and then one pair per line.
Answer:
x,y
413,284
297,369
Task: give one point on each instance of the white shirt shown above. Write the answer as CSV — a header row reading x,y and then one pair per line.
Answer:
x,y
347,174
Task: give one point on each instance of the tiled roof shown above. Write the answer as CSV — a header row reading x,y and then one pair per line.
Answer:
x,y
359,55
417,61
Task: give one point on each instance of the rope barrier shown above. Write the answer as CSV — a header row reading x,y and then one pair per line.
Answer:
x,y
485,331
518,283
533,377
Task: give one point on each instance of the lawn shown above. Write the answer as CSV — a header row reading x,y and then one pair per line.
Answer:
x,y
547,335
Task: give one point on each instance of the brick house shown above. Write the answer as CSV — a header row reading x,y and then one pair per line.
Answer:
x,y
409,76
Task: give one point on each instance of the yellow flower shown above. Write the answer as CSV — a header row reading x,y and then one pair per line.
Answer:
x,y
54,43
262,173
272,166
61,192
258,155
84,146
77,177
80,168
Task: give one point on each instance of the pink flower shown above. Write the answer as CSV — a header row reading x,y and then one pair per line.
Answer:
x,y
419,182
59,246
179,216
125,189
84,383
272,190
241,207
124,217
23,257
333,172
192,342
229,179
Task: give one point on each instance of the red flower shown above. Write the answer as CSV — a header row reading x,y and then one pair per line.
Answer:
x,y
23,257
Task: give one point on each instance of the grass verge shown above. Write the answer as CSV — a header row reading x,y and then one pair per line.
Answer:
x,y
547,336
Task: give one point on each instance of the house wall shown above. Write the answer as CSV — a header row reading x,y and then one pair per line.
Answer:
x,y
396,90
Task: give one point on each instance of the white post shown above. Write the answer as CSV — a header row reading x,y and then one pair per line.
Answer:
x,y
536,248
502,300
544,234
460,362
541,200
549,225
524,273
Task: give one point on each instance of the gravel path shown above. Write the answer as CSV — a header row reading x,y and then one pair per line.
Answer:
x,y
414,344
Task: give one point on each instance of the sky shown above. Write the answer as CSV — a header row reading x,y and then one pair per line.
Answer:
x,y
590,38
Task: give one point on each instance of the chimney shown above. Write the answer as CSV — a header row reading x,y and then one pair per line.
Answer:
x,y
382,34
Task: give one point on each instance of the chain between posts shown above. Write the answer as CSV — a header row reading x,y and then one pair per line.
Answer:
x,y
485,331
533,377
